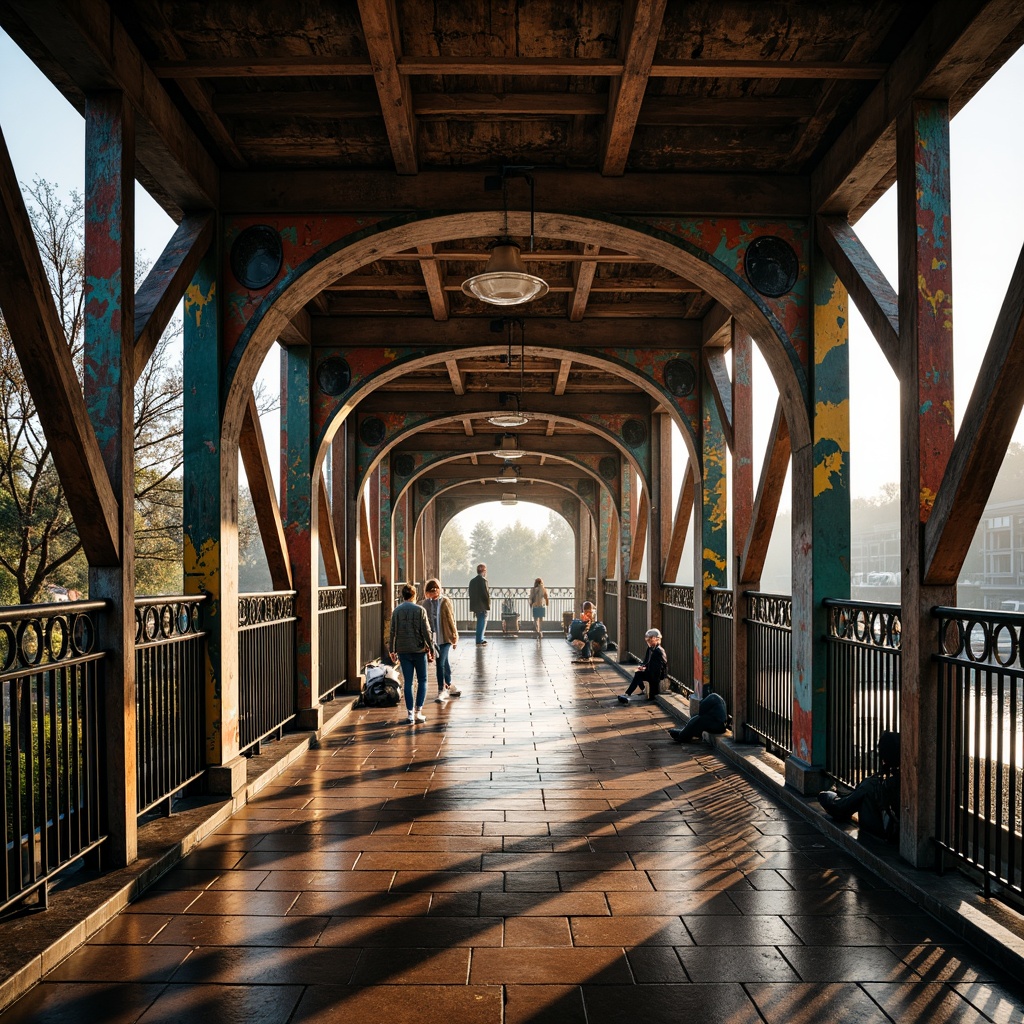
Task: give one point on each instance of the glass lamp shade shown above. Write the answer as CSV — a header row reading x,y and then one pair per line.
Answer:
x,y
507,476
508,449
504,281
509,419
509,498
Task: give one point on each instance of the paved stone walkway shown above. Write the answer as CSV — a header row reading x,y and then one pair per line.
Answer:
x,y
534,852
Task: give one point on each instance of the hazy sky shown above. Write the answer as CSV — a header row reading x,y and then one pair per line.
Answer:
x,y
45,136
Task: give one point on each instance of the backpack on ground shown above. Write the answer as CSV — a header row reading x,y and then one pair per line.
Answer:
x,y
382,688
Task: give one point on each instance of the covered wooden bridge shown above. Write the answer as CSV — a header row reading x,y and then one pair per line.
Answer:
x,y
676,183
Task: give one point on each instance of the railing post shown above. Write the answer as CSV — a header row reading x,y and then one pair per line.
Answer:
x,y
109,372
299,514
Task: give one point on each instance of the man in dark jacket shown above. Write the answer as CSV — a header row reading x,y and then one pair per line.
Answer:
x,y
480,601
652,670
712,716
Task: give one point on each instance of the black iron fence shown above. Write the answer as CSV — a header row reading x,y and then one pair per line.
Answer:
x,y
170,682
980,735
722,644
608,611
52,690
636,619
862,685
332,619
769,669
371,621
267,696
560,600
677,636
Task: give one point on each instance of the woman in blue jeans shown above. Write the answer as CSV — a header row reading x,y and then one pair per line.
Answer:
x,y
411,639
441,616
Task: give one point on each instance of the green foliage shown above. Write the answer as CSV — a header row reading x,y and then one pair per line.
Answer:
x,y
456,561
481,543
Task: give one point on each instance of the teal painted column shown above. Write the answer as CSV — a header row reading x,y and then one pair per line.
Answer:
x,y
298,518
210,543
714,525
626,526
109,384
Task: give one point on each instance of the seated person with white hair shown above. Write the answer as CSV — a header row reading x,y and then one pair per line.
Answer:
x,y
652,669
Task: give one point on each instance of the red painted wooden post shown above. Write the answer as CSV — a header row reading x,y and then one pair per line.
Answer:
x,y
109,367
926,441
742,514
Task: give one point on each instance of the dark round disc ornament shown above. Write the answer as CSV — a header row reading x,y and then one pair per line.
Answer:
x,y
333,376
256,256
680,377
608,468
771,265
405,464
372,431
427,487
634,433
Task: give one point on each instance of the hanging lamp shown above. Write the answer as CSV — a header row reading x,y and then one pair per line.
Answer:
x,y
509,448
509,475
505,281
514,417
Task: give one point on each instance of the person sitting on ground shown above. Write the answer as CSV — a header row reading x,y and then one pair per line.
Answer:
x,y
652,669
876,800
712,717
582,630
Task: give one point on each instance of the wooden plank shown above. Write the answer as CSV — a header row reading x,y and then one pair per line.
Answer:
x,y
406,283
716,327
38,338
455,376
434,282
717,375
547,407
95,51
383,45
329,66
950,47
868,287
564,368
298,330
253,450
165,284
740,435
766,504
297,191
639,545
583,280
680,527
367,547
590,444
325,531
981,443
626,92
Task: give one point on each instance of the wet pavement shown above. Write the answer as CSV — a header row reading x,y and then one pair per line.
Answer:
x,y
534,852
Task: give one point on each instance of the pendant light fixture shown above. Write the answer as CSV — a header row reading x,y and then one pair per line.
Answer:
x,y
505,281
508,476
509,448
515,416
509,498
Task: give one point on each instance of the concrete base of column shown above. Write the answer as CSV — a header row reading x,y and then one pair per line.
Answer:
x,y
310,719
805,778
227,779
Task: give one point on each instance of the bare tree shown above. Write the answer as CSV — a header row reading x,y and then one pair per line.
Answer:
x,y
39,544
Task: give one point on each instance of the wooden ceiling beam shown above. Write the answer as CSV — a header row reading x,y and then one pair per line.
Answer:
x,y
766,504
297,191
298,331
327,537
562,377
455,376
717,375
483,444
383,44
942,61
478,404
433,280
600,285
459,333
626,92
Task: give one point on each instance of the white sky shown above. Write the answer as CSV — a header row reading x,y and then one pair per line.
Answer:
x,y
46,137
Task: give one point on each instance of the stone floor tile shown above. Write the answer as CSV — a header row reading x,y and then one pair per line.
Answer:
x,y
941,962
564,904
420,1004
629,931
226,1004
849,963
848,930
406,966
708,964
544,1004
687,1004
435,932
812,1004
196,930
127,929
656,965
605,881
924,1003
361,904
57,1003
261,904
270,965
999,1002
164,901
100,962
654,904
532,881
538,931
595,965
740,931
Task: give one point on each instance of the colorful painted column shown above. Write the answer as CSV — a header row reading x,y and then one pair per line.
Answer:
x,y
627,487
109,368
712,553
298,516
926,440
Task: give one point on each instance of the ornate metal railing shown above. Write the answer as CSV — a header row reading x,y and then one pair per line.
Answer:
x,y
371,621
608,611
332,619
769,669
266,665
52,691
677,636
722,643
979,796
170,701
560,600
862,685
636,619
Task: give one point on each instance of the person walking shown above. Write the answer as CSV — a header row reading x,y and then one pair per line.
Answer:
x,y
480,601
539,604
652,670
410,637
441,616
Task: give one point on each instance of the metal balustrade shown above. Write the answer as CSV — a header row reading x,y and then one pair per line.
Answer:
x,y
769,669
677,636
980,762
722,643
52,795
608,610
636,619
371,621
332,628
862,685
170,684
560,600
267,698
